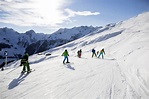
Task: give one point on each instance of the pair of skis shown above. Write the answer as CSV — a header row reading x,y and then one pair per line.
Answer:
x,y
68,63
26,72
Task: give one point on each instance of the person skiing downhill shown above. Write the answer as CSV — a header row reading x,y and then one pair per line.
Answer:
x,y
79,53
102,52
65,54
25,63
94,52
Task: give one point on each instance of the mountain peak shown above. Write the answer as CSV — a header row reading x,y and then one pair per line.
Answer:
x,y
30,32
6,30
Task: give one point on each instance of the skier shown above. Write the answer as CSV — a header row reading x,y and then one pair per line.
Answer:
x,y
97,52
94,52
101,53
25,63
79,53
65,54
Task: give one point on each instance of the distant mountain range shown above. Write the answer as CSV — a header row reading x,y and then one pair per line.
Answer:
x,y
16,44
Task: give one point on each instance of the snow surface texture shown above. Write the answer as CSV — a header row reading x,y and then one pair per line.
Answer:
x,y
122,74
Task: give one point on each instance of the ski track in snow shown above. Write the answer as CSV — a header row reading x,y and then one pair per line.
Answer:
x,y
90,78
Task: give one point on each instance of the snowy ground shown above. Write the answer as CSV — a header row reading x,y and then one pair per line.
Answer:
x,y
122,74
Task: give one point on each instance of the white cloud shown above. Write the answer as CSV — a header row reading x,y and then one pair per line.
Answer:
x,y
38,12
72,13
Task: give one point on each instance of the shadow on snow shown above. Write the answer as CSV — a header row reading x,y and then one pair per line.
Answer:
x,y
15,82
107,59
69,66
42,59
37,61
110,59
51,57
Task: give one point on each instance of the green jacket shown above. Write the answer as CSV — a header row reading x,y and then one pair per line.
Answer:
x,y
65,53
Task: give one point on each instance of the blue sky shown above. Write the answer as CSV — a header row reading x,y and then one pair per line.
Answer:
x,y
47,16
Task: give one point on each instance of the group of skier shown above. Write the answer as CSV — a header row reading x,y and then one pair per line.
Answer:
x,y
79,53
102,53
26,66
65,54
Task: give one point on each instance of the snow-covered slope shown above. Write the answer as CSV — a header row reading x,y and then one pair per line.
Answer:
x,y
122,74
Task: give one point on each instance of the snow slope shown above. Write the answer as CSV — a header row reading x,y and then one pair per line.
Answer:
x,y
122,74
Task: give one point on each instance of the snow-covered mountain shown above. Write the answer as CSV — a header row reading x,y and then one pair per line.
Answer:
x,y
11,39
122,74
16,44
60,37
